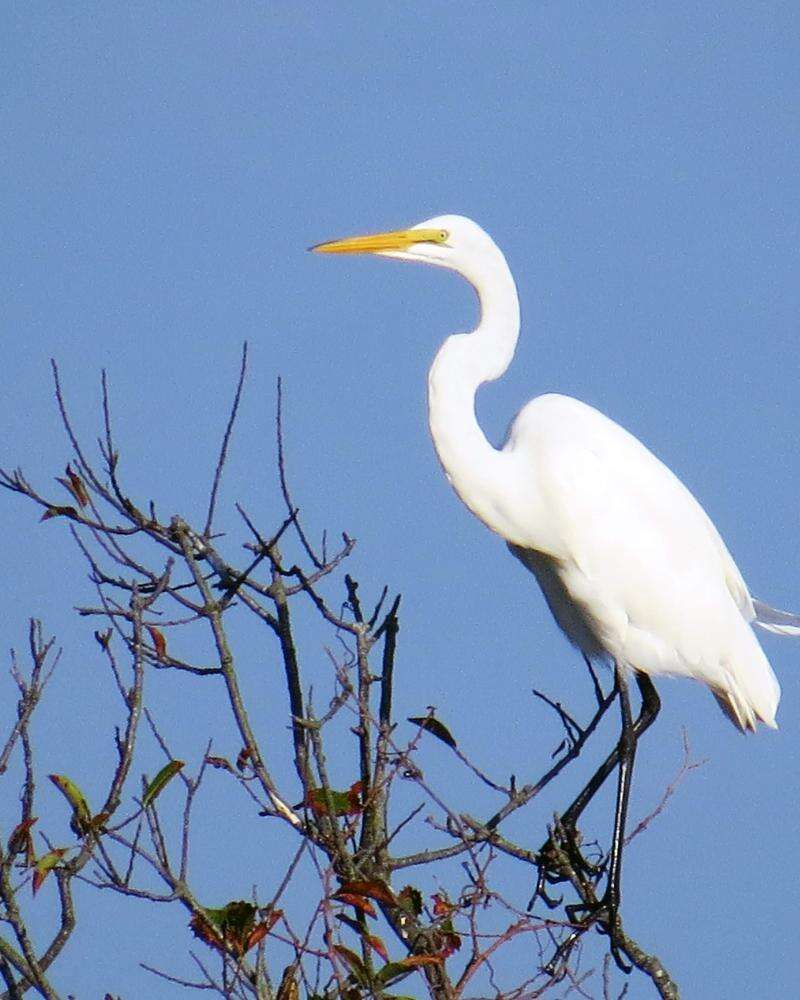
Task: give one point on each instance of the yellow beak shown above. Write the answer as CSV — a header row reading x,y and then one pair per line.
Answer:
x,y
398,239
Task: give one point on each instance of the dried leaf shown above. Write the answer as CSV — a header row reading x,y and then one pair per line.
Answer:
x,y
74,484
56,511
244,758
258,933
20,840
452,943
159,642
442,907
81,813
45,865
221,763
157,785
414,961
377,945
354,796
270,917
205,930
434,727
374,889
96,823
288,989
360,902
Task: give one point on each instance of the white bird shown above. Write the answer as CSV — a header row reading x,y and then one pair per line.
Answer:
x,y
630,564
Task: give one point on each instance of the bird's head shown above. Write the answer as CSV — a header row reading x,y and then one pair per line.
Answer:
x,y
450,241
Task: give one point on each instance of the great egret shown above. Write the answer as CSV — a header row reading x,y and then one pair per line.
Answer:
x,y
630,564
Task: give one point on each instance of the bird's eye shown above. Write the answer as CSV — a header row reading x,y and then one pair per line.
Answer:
x,y
443,235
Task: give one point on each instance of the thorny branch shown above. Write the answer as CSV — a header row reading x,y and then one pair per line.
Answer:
x,y
167,586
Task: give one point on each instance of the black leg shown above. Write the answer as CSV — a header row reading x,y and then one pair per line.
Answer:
x,y
627,755
622,755
651,704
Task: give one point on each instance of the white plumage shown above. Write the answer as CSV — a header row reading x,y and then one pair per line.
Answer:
x,y
630,564
639,571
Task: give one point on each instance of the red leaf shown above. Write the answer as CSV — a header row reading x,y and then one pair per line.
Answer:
x,y
220,763
99,821
375,942
452,943
378,891
203,929
20,838
273,917
354,795
159,642
74,484
416,960
258,933
442,907
360,902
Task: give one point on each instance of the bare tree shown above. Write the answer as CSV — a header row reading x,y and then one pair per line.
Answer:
x,y
367,929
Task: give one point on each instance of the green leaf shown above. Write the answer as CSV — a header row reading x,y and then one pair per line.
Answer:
x,y
410,898
45,865
157,785
435,728
392,972
81,813
237,916
343,803
353,962
233,928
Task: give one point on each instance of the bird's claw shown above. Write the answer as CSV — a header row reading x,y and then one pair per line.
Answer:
x,y
540,892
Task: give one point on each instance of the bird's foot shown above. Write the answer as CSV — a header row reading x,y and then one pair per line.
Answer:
x,y
561,859
604,914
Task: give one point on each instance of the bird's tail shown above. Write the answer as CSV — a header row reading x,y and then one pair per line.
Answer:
x,y
773,620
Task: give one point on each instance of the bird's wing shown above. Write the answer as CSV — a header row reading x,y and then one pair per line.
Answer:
x,y
636,568
635,533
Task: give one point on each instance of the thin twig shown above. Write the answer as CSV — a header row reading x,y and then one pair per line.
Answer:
x,y
223,452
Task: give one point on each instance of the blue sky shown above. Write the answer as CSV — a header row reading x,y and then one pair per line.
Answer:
x,y
164,168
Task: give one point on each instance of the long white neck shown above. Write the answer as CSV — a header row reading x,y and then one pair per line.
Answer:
x,y
463,363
